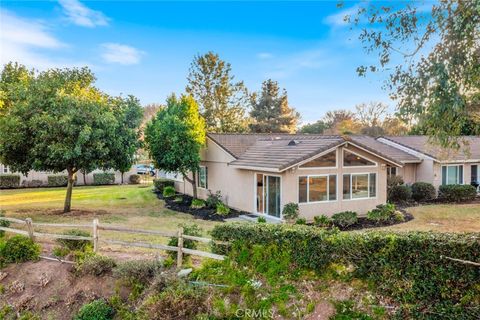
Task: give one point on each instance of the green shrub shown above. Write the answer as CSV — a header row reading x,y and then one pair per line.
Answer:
x,y
60,252
345,219
383,212
95,265
95,310
222,209
168,192
457,192
19,249
178,199
197,204
161,183
141,271
57,180
213,199
399,193
134,179
261,220
75,244
103,178
322,221
423,191
32,183
3,223
8,181
290,211
188,229
301,221
406,266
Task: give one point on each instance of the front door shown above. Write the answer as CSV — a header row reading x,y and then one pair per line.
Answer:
x,y
267,194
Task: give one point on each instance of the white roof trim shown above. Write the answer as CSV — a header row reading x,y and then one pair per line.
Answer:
x,y
375,154
406,149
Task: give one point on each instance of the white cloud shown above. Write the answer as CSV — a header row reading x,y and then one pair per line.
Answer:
x,y
26,41
309,59
264,55
81,15
338,19
121,54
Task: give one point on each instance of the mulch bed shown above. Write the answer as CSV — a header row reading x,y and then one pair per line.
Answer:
x,y
202,213
364,223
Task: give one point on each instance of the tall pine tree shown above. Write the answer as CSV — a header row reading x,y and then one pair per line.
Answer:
x,y
271,112
222,101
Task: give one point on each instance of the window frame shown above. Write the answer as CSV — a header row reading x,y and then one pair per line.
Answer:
x,y
206,177
446,171
308,176
389,171
359,155
368,185
318,156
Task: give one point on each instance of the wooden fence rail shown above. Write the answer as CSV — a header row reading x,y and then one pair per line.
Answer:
x,y
96,226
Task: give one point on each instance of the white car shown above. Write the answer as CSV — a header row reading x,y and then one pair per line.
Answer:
x,y
145,169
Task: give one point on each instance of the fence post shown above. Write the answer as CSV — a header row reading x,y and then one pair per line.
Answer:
x,y
180,248
95,235
30,228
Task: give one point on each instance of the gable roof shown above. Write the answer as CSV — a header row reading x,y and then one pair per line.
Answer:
x,y
469,148
278,152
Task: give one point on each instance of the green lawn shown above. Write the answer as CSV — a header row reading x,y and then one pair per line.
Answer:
x,y
133,206
443,218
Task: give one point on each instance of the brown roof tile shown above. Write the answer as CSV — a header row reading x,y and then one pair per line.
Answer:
x,y
469,147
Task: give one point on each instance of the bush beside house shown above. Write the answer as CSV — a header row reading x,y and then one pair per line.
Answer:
x,y
161,183
423,191
8,181
457,192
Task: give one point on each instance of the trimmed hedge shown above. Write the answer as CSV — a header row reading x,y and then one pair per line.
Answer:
x,y
160,184
8,181
405,266
457,192
399,193
104,178
57,180
423,191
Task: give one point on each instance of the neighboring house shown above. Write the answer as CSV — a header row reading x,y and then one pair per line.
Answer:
x,y
438,166
260,173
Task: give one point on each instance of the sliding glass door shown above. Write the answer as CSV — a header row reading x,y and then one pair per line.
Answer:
x,y
268,193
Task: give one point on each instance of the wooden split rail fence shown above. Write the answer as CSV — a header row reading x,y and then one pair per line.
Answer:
x,y
95,238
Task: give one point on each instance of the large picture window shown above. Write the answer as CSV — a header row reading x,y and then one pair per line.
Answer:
x,y
359,186
452,174
317,188
202,177
328,160
351,159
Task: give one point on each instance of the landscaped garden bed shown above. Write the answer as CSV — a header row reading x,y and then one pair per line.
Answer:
x,y
183,203
365,223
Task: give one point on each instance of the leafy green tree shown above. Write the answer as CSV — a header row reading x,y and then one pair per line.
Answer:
x,y
432,52
59,122
174,138
129,114
313,128
271,112
14,82
223,102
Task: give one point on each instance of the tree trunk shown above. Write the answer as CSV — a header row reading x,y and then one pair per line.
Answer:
x,y
68,197
193,182
84,178
122,177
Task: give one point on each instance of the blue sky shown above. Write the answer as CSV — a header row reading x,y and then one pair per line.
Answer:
x,y
145,48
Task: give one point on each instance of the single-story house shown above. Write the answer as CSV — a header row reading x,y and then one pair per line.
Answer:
x,y
438,166
260,173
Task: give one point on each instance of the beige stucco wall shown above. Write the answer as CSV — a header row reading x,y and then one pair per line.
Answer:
x,y
238,186
408,173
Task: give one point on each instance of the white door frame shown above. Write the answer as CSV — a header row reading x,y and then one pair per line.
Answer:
x,y
265,198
